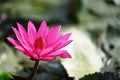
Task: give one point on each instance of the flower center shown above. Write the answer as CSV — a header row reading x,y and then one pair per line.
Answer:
x,y
39,43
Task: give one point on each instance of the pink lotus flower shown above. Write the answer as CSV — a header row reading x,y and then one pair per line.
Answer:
x,y
44,44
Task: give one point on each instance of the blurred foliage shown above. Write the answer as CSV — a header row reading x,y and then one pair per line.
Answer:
x,y
8,76
17,77
5,76
38,9
101,76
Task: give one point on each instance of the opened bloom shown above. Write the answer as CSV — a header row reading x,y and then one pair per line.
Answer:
x,y
44,44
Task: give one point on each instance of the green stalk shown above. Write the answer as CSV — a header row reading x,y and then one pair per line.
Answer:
x,y
34,70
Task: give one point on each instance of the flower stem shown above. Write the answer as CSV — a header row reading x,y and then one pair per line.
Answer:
x,y
34,70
